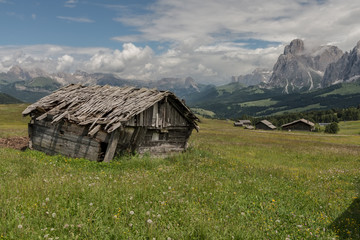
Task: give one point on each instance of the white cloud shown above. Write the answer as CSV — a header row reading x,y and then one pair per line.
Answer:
x,y
71,3
76,19
33,16
118,61
65,63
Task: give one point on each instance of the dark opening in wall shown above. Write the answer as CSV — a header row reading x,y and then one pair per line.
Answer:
x,y
103,147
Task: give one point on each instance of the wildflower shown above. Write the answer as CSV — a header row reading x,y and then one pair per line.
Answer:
x,y
52,229
20,226
148,213
47,199
46,235
149,221
90,204
130,225
66,225
53,215
131,212
159,216
242,213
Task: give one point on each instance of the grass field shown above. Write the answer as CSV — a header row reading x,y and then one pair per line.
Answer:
x,y
231,184
11,121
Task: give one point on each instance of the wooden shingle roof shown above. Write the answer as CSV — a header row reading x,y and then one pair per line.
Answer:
x,y
105,106
267,123
300,120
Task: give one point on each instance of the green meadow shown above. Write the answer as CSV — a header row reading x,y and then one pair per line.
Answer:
x,y
230,184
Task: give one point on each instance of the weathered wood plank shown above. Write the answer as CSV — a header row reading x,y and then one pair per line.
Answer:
x,y
111,149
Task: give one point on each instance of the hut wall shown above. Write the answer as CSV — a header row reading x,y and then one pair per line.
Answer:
x,y
300,126
161,114
162,141
65,138
159,129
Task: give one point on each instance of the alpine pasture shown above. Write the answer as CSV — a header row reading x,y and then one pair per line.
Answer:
x,y
230,184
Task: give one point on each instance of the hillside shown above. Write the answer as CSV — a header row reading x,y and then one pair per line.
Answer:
x,y
7,99
233,101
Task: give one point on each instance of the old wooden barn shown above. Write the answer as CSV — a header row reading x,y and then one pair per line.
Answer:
x,y
265,125
98,122
300,125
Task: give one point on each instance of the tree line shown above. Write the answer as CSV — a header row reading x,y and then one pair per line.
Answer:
x,y
318,116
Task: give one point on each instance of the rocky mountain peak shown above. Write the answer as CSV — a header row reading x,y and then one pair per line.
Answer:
x,y
346,69
299,69
19,73
358,45
295,47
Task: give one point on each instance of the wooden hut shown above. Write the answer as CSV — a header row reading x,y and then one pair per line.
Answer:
x,y
242,123
97,122
300,125
265,125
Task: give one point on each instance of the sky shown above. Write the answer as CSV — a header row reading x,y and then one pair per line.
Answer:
x,y
209,40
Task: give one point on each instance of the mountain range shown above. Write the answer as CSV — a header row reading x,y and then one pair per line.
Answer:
x,y
302,78
302,68
30,85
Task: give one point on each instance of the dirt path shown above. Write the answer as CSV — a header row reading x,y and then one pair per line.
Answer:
x,y
19,143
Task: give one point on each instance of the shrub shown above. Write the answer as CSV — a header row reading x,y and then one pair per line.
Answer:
x,y
332,128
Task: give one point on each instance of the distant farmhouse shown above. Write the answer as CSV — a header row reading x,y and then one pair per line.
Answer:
x,y
300,125
97,122
242,123
265,125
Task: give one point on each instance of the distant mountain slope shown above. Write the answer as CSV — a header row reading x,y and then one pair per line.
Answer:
x,y
7,99
259,75
346,69
256,101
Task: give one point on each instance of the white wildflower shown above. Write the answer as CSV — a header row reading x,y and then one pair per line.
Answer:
x,y
149,221
53,215
131,212
20,226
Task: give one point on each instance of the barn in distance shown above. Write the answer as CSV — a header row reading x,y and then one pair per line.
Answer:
x,y
97,122
265,125
299,125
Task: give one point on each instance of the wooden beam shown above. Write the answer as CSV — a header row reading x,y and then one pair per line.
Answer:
x,y
110,151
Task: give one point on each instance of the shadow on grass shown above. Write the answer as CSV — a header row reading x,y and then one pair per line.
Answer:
x,y
347,225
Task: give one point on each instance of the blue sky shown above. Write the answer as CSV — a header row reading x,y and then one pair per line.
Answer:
x,y
150,39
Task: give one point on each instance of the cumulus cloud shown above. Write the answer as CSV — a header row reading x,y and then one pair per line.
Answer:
x,y
65,63
116,61
210,41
